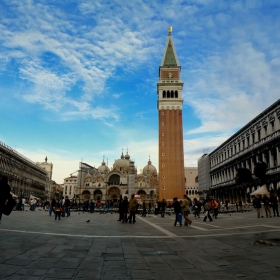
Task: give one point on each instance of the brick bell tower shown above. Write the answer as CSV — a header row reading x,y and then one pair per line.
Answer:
x,y
170,105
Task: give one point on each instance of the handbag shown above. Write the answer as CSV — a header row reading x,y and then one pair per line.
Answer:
x,y
8,206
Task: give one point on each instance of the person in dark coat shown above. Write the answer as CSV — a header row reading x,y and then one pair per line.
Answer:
x,y
274,203
163,206
124,209
177,209
120,209
5,190
257,203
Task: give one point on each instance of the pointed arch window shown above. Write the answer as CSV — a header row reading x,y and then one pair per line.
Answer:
x,y
172,94
168,94
164,94
176,94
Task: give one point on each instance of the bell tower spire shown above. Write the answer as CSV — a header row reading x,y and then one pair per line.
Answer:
x,y
170,106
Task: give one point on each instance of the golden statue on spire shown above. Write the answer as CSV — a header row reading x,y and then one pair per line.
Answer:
x,y
169,29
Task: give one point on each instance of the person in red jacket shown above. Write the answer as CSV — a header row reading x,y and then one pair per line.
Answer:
x,y
215,207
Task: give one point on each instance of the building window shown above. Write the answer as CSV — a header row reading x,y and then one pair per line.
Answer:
x,y
162,134
164,94
162,154
163,165
162,123
243,144
265,129
162,143
259,135
248,141
239,147
162,113
65,189
163,176
272,125
253,138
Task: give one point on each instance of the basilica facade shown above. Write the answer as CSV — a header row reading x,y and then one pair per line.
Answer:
x,y
104,184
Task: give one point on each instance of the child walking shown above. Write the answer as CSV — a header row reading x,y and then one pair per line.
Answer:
x,y
58,210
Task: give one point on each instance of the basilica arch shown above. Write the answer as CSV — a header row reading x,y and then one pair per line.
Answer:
x,y
86,195
142,194
97,195
114,194
114,179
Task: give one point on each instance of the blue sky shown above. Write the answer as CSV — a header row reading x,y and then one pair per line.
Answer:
x,y
78,78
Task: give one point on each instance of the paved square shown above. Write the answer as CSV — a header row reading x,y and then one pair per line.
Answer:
x,y
35,246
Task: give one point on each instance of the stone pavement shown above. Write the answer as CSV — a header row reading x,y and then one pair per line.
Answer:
x,y
35,246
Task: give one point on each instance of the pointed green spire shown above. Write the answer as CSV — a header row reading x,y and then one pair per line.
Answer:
x,y
170,57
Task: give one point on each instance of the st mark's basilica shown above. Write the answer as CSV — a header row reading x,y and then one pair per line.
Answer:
x,y
105,184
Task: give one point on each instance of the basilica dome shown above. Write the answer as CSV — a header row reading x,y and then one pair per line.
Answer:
x,y
103,168
149,169
122,164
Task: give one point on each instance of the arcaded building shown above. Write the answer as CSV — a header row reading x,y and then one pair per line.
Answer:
x,y
257,141
170,109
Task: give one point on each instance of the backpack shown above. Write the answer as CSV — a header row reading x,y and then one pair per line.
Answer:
x,y
213,204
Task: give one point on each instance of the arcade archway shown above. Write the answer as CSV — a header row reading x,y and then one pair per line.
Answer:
x,y
114,194
97,195
86,195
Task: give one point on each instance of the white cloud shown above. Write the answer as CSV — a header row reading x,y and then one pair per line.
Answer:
x,y
195,148
232,88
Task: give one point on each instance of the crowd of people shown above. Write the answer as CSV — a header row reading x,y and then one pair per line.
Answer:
x,y
128,208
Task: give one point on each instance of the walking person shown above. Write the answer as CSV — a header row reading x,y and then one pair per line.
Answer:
x,y
120,209
207,208
197,207
124,209
4,193
257,205
58,210
132,209
236,205
226,204
22,204
266,204
240,204
215,208
274,203
52,206
177,209
32,202
67,204
144,212
163,206
186,210
62,201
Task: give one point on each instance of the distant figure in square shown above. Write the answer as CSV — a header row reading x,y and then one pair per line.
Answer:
x,y
177,209
58,210
132,209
